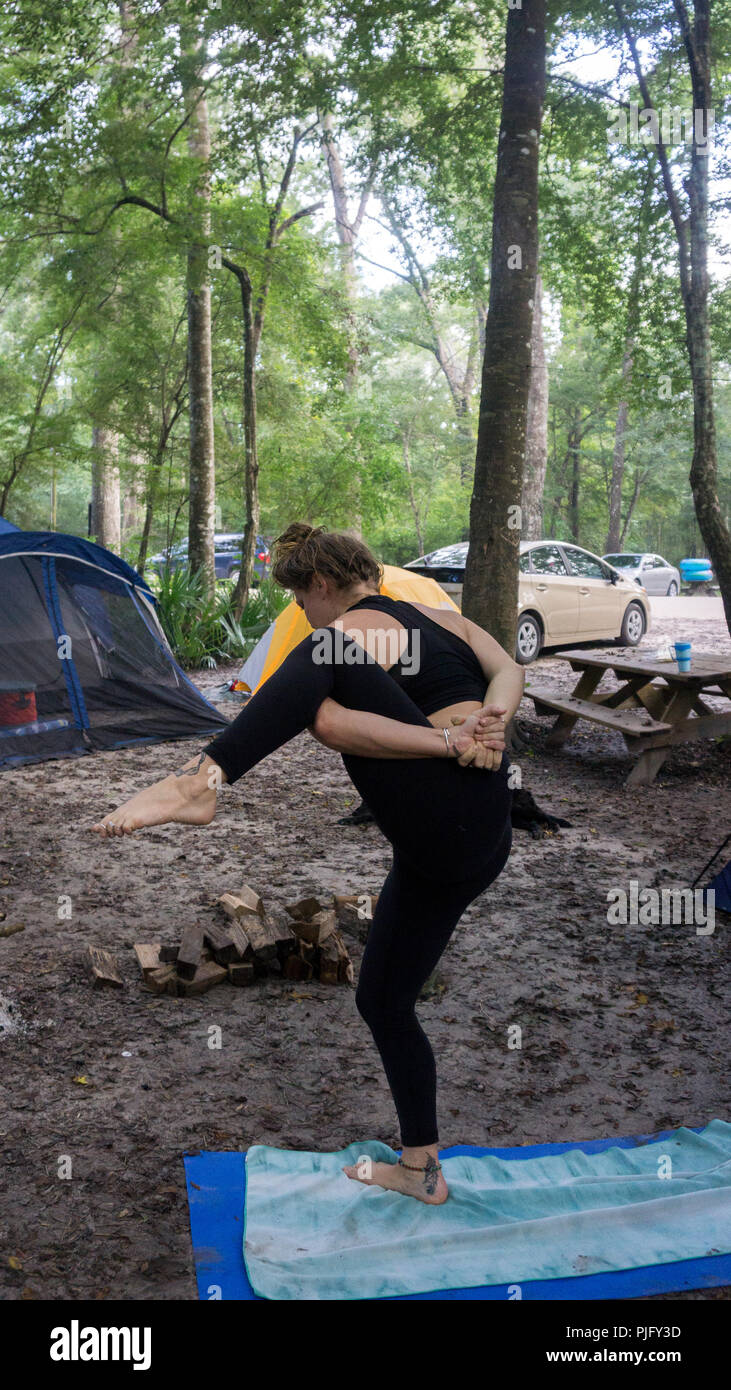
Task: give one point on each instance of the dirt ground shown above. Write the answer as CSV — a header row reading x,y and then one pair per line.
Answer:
x,y
623,1027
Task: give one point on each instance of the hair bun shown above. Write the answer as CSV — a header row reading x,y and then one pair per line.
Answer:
x,y
298,531
302,551
296,534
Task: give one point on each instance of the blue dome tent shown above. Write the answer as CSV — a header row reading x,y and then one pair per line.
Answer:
x,y
84,662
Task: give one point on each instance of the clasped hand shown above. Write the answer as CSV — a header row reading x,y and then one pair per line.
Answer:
x,y
481,738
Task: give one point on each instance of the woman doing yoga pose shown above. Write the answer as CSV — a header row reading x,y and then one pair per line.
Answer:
x,y
420,727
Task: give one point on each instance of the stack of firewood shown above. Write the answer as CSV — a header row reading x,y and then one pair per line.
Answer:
x,y
304,944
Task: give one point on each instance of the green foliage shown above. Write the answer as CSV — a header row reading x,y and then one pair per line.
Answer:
x,y
264,604
97,209
203,631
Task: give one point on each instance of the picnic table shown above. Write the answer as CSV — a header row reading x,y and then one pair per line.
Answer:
x,y
654,707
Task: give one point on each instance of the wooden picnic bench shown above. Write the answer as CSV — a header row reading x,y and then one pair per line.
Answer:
x,y
651,716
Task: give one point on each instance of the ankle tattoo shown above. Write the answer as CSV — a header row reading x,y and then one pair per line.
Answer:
x,y
191,771
431,1170
431,1174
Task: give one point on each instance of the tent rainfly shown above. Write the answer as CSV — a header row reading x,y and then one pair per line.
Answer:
x,y
84,662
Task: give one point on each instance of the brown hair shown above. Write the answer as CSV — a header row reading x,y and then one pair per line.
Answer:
x,y
303,551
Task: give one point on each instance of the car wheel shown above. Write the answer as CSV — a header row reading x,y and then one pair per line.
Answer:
x,y
233,574
672,589
633,625
529,639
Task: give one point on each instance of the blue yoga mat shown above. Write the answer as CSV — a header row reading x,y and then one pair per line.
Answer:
x,y
216,1193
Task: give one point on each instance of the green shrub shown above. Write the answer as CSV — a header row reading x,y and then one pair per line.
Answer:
x,y
203,631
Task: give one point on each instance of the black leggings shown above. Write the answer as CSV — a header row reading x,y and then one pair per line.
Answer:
x,y
450,831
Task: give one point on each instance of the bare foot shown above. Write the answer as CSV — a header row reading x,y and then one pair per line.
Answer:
x,y
427,1186
187,797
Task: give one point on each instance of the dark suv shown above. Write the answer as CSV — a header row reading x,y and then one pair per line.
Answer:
x,y
227,556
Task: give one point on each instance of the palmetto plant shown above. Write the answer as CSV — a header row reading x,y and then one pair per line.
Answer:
x,y
263,606
202,631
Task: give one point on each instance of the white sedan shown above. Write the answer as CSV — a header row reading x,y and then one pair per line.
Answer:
x,y
565,595
655,575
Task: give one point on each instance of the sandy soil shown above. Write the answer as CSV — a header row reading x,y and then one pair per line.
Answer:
x,y
623,1027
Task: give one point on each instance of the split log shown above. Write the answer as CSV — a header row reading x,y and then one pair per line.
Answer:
x,y
329,959
206,976
334,962
162,981
238,904
169,954
244,949
262,936
296,968
104,968
241,973
317,928
268,939
224,946
189,955
232,905
286,940
149,957
304,910
252,900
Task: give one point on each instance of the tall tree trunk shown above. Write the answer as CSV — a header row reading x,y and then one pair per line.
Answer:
x,y
704,468
491,575
133,510
252,331
202,504
253,307
406,444
620,431
105,508
639,478
618,456
536,428
106,514
252,334
574,446
346,234
347,227
461,387
693,262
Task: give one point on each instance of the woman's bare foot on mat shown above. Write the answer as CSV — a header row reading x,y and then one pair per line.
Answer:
x,y
187,797
428,1185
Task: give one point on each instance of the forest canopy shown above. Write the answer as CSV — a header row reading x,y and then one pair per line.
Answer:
x,y
245,271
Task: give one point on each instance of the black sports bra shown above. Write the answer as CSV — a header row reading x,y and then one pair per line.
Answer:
x,y
437,668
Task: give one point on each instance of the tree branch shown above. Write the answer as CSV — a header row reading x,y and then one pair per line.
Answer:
x,y
662,154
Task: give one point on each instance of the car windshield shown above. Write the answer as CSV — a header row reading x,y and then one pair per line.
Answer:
x,y
624,562
448,555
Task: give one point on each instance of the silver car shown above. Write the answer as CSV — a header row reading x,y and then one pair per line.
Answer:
x,y
651,571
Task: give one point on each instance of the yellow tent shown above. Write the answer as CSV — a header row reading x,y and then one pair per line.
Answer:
x,y
292,626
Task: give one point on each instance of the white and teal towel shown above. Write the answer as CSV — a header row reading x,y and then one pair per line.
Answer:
x,y
313,1233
